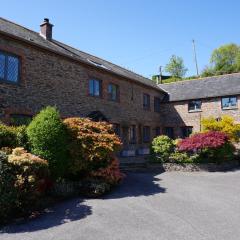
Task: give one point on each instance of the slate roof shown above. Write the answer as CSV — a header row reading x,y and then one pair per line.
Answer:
x,y
22,33
224,85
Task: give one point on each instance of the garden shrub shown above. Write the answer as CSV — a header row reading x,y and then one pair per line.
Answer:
x,y
21,178
211,146
48,139
110,174
180,157
226,124
11,136
31,173
8,192
92,145
162,146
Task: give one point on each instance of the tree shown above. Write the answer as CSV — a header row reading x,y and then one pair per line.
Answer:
x,y
224,60
176,67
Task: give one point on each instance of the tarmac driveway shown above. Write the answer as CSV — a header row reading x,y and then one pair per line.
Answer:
x,y
149,206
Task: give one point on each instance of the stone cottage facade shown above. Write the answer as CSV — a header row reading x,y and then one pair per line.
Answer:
x,y
37,71
190,101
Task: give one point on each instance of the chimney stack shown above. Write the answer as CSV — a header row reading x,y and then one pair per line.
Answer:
x,y
46,29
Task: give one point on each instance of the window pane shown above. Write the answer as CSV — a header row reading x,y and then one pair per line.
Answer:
x,y
229,102
157,104
132,134
91,87
146,134
12,68
169,132
146,101
96,88
2,65
194,105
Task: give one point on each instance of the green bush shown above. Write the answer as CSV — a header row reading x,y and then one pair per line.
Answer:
x,y
48,139
12,137
162,147
180,157
8,192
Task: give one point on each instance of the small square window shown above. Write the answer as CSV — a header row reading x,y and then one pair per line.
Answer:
x,y
194,105
229,102
146,101
95,87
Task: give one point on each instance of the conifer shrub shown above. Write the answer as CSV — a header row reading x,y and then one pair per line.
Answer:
x,y
48,139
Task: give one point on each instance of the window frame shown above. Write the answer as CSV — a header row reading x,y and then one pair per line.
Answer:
x,y
195,109
117,129
110,93
146,139
148,106
157,104
231,107
100,87
132,138
6,55
157,131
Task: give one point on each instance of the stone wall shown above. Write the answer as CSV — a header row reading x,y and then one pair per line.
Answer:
x,y
176,115
51,79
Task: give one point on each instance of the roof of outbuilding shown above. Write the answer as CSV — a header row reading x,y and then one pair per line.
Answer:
x,y
22,33
224,85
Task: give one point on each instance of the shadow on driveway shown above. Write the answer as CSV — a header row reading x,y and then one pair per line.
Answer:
x,y
68,211
134,185
137,184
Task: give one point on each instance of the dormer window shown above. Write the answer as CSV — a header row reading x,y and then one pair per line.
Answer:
x,y
9,67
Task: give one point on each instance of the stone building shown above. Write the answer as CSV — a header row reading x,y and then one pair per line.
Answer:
x,y
190,101
36,71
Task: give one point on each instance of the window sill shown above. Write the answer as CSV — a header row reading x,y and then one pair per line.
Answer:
x,y
230,108
194,111
10,82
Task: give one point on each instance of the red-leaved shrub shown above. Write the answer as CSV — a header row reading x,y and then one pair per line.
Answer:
x,y
111,174
201,141
211,146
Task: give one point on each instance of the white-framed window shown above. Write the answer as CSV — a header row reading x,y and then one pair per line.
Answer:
x,y
229,102
194,105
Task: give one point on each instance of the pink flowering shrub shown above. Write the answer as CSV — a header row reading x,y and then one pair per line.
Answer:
x,y
110,174
211,146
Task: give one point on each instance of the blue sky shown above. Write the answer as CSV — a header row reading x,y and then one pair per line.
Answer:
x,y
140,35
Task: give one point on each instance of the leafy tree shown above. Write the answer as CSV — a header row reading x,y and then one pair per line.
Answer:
x,y
224,60
176,67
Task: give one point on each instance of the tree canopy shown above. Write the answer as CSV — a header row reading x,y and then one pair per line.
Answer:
x,y
224,60
176,67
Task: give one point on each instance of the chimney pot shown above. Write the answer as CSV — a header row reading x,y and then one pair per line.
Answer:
x,y
46,29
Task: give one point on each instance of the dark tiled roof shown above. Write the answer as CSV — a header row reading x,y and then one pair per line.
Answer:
x,y
224,85
32,37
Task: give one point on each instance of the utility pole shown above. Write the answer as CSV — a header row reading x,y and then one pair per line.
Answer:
x,y
195,56
160,75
